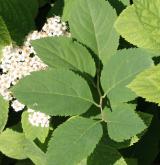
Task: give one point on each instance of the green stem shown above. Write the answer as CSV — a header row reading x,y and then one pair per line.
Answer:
x,y
100,94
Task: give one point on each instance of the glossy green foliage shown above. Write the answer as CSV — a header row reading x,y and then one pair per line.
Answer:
x,y
120,71
91,22
123,122
63,52
89,86
55,92
15,145
81,136
139,24
147,84
110,156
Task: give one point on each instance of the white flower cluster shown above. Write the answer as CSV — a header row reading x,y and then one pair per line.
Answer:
x,y
38,119
17,106
18,62
54,27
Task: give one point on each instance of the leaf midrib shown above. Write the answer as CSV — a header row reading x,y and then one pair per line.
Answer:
x,y
94,29
60,94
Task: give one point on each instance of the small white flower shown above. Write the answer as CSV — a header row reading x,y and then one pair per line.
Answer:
x,y
17,106
38,119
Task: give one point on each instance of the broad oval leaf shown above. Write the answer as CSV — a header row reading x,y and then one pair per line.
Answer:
x,y
123,122
81,136
19,17
63,52
32,132
147,84
148,12
120,71
147,118
91,22
11,144
34,153
55,92
104,153
4,106
139,24
14,144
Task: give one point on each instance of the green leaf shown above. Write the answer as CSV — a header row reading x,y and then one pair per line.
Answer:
x,y
33,8
125,2
83,162
123,122
63,52
34,153
104,153
119,145
67,9
147,84
124,144
62,8
32,132
120,71
11,144
91,22
81,136
15,145
19,17
4,105
146,117
148,14
55,92
139,24
5,36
